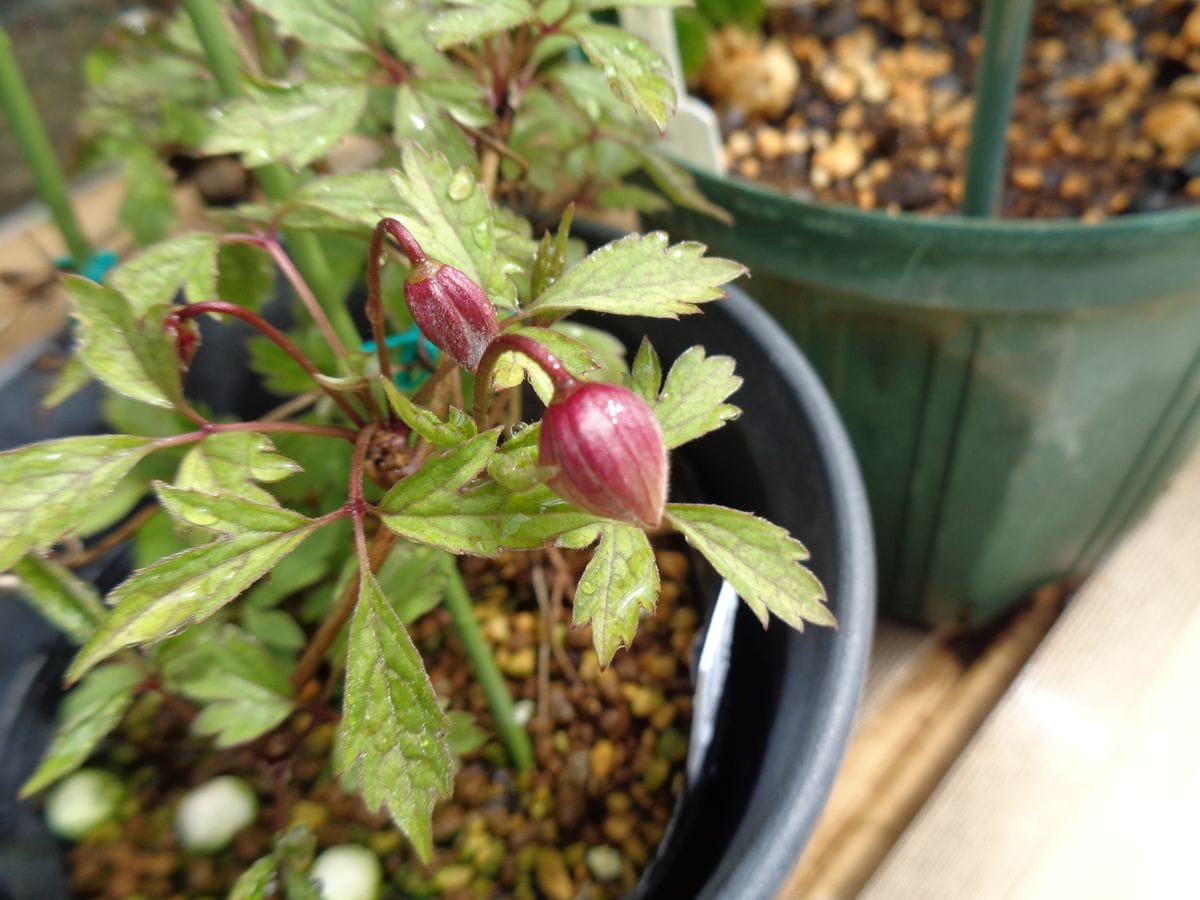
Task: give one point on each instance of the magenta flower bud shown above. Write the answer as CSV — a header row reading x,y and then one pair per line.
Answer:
x,y
451,310
607,451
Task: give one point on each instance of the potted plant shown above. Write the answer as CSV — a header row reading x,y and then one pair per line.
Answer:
x,y
311,681
972,357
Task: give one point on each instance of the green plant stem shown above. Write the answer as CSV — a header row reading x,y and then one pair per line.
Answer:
x,y
276,181
1005,29
39,154
495,689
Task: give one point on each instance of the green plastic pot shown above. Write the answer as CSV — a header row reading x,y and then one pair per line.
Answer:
x,y
1017,392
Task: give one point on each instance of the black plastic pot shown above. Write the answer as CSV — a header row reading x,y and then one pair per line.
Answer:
x,y
789,699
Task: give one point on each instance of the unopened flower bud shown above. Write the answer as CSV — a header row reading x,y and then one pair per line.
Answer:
x,y
607,451
451,310
186,336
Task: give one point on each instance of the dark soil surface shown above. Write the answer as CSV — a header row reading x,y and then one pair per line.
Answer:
x,y
610,747
869,102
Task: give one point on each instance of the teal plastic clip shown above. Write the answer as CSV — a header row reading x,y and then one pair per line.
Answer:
x,y
409,345
95,267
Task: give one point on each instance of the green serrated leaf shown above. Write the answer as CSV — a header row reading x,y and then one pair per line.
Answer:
x,y
640,275
44,486
392,738
183,589
404,25
88,714
245,275
675,182
323,552
512,367
411,578
243,690
350,200
646,372
606,350
619,583
254,883
291,125
471,20
420,117
274,627
148,210
72,378
115,507
156,539
129,353
631,196
318,23
515,465
551,258
154,276
746,14
449,214
487,520
761,561
231,462
226,513
692,402
464,736
636,74
616,4
441,478
67,602
426,423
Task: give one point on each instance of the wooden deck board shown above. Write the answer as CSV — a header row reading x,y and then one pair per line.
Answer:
x,y
1084,780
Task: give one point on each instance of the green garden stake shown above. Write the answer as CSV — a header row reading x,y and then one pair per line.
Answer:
x,y
35,144
1005,29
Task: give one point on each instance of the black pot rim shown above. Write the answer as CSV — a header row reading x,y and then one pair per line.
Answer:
x,y
767,845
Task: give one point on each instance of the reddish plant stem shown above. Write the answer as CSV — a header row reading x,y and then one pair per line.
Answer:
x,y
370,559
299,285
192,310
374,310
564,382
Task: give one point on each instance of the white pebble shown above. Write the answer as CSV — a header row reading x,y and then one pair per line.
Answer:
x,y
604,862
82,801
347,872
210,815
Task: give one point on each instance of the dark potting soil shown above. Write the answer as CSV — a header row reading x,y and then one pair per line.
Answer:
x,y
869,102
609,745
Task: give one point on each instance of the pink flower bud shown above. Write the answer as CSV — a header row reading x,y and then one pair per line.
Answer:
x,y
607,450
451,310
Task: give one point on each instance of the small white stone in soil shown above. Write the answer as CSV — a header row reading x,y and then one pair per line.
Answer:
x,y
347,872
210,815
604,862
82,801
523,711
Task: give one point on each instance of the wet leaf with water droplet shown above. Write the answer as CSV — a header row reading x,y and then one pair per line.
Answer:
x,y
291,125
43,487
640,275
636,74
619,584
392,738
471,20
183,589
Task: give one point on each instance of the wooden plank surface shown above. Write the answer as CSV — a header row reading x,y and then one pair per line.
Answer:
x,y
1084,782
921,710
